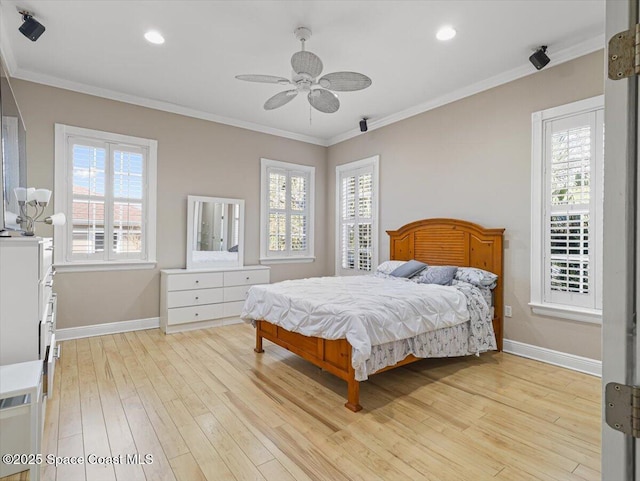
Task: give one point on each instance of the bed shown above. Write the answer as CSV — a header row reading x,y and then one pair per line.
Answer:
x,y
436,242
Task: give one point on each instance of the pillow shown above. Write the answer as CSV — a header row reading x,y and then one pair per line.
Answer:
x,y
477,277
442,275
387,267
408,269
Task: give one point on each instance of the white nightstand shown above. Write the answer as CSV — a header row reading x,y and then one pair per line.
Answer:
x,y
20,418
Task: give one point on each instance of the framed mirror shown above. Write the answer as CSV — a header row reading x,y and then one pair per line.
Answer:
x,y
215,232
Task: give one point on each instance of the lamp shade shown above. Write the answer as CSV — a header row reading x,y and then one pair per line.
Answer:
x,y
56,219
21,194
42,196
10,218
31,194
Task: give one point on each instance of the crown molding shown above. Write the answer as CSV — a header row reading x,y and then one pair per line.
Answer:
x,y
159,105
559,57
588,46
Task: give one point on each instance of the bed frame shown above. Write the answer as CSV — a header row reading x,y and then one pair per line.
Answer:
x,y
434,241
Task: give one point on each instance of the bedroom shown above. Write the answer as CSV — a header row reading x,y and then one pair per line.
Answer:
x,y
200,155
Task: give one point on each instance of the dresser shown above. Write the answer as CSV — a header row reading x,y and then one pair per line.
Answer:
x,y
194,299
27,303
28,350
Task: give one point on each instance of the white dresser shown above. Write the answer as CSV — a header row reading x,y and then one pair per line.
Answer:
x,y
27,303
193,299
28,350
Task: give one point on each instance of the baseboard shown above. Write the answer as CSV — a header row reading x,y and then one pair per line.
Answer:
x,y
557,358
107,328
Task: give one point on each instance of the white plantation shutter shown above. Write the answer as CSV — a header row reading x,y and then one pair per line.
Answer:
x,y
128,201
87,222
357,216
571,184
110,184
287,210
567,263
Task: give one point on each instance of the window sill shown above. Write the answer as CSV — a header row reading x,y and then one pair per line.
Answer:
x,y
104,266
286,260
591,316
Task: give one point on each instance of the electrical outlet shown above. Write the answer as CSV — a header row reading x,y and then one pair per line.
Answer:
x,y
507,311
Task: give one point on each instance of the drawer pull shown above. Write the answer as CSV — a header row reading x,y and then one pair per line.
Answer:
x,y
49,249
197,282
197,298
196,314
56,352
50,326
49,284
248,278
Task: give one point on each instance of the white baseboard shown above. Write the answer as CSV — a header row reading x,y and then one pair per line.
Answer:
x,y
557,358
107,328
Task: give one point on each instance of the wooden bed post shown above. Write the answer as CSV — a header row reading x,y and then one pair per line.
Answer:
x,y
258,347
353,388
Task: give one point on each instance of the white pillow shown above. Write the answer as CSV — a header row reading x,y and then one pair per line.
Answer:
x,y
387,267
477,277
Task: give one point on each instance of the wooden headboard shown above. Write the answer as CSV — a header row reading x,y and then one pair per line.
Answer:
x,y
456,243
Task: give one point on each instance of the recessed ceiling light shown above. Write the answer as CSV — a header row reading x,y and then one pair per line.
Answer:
x,y
154,37
446,33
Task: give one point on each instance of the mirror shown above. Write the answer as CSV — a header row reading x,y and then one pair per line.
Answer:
x,y
13,153
215,232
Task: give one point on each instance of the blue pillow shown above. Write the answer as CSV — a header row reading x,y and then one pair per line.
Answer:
x,y
442,275
408,269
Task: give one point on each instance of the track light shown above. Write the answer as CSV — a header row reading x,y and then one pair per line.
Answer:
x,y
363,125
31,28
539,58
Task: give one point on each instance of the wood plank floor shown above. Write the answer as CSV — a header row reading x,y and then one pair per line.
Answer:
x,y
206,407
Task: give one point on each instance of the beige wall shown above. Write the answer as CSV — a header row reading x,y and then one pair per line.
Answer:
x,y
471,159
194,157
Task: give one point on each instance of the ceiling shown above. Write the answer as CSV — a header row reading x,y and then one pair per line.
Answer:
x,y
98,47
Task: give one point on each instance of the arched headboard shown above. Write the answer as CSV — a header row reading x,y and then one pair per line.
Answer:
x,y
457,243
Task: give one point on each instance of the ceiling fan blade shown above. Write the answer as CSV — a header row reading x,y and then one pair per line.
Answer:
x,y
324,101
345,81
306,62
278,100
265,79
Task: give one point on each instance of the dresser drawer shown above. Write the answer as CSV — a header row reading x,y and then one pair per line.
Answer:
x,y
181,315
46,295
53,355
45,257
194,297
233,309
236,293
248,277
204,280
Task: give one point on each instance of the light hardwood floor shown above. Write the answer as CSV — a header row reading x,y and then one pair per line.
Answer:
x,y
206,407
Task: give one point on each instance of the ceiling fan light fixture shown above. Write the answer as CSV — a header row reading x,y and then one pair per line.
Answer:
x,y
307,67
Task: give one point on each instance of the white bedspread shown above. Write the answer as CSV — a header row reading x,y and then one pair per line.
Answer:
x,y
366,310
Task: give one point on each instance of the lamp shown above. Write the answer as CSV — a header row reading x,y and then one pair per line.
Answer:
x,y
30,28
37,199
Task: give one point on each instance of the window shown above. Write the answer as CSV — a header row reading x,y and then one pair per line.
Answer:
x,y
287,209
106,186
357,216
567,209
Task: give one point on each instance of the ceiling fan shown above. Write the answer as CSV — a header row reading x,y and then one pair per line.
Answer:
x,y
307,67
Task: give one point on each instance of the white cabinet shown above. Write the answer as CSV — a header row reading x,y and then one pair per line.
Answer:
x,y
27,302
205,298
21,417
